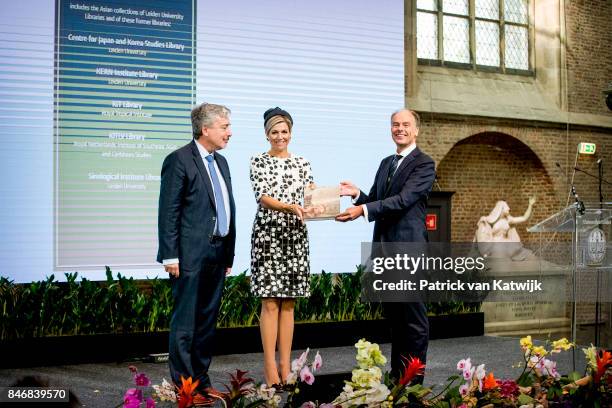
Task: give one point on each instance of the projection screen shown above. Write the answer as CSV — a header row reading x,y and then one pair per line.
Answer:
x,y
96,93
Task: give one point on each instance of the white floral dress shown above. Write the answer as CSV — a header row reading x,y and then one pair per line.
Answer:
x,y
280,258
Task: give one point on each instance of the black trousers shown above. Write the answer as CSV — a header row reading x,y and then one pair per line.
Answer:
x,y
197,297
409,333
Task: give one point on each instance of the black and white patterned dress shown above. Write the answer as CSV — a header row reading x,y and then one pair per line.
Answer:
x,y
280,258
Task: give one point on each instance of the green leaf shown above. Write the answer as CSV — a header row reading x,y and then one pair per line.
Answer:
x,y
525,380
524,399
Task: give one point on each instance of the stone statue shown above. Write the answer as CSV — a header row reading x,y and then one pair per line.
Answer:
x,y
496,235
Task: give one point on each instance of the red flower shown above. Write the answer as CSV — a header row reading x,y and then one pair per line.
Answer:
x,y
186,391
508,388
412,368
604,360
489,382
240,385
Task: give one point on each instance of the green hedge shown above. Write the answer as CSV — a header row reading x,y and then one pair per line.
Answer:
x,y
125,305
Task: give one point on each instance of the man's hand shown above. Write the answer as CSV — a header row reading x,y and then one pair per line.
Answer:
x,y
228,271
350,214
172,269
348,189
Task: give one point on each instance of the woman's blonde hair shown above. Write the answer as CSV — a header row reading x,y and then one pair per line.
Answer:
x,y
275,120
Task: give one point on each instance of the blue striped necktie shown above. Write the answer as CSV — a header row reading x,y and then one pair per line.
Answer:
x,y
222,229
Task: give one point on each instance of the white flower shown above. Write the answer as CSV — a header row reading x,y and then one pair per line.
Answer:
x,y
372,397
591,356
165,391
266,393
376,394
480,372
292,377
463,390
369,354
365,378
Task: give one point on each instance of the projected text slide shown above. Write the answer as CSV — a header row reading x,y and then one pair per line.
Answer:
x,y
124,87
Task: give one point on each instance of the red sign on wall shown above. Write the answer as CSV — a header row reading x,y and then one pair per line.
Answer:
x,y
431,220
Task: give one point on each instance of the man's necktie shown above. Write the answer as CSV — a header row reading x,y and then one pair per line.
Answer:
x,y
392,170
222,229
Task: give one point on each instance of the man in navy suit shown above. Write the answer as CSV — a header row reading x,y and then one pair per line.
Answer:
x,y
397,204
197,234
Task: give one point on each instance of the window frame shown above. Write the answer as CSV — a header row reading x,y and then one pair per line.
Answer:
x,y
471,17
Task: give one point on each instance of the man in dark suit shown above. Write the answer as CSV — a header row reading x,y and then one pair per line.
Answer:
x,y
397,203
197,233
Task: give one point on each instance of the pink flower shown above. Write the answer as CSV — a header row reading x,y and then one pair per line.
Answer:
x,y
317,363
308,404
463,390
150,403
327,405
132,398
298,363
468,373
463,364
142,380
306,376
551,368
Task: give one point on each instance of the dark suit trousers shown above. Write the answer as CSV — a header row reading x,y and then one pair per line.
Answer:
x,y
197,297
409,333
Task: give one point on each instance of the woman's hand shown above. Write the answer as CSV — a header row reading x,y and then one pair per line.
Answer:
x,y
532,200
296,210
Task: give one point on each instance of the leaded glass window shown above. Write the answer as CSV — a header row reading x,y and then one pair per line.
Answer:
x,y
482,34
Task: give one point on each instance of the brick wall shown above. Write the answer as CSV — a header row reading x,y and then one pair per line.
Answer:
x,y
589,54
484,161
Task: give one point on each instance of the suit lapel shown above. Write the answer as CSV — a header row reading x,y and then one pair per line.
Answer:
x,y
413,154
203,173
403,166
382,177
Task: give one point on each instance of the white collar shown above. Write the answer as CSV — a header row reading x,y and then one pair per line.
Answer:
x,y
201,149
407,150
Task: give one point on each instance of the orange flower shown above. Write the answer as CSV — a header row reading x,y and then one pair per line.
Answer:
x,y
604,360
186,391
489,382
412,368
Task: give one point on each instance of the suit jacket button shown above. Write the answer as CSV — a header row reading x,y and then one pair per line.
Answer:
x,y
214,218
210,236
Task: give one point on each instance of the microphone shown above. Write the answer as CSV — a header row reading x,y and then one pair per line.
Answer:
x,y
579,203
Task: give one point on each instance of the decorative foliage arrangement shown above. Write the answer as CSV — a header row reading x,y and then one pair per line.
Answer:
x,y
124,305
539,385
